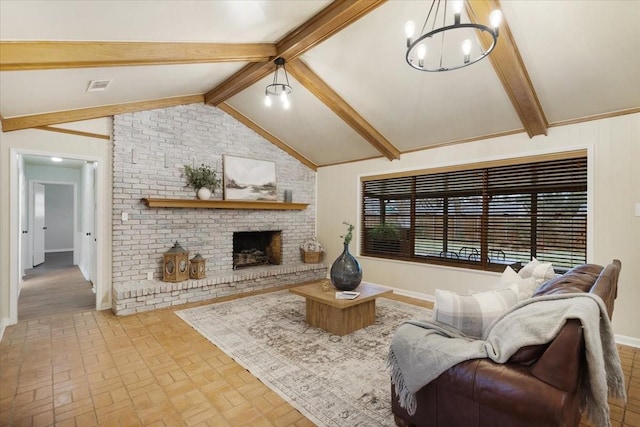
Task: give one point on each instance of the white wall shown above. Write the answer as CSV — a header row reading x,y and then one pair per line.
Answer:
x,y
53,173
40,142
614,189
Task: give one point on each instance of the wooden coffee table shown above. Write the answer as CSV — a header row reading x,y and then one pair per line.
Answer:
x,y
337,316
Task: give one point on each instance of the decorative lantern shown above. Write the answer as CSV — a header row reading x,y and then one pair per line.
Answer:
x,y
197,267
176,264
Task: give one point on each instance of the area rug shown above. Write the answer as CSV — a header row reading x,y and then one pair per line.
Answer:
x,y
332,380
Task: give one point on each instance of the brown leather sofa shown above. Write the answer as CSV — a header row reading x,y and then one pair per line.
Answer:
x,y
538,386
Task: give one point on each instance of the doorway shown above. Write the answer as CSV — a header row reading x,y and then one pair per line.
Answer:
x,y
53,219
58,274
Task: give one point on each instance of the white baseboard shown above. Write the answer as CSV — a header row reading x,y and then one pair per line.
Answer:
x,y
416,295
3,325
628,341
84,273
49,251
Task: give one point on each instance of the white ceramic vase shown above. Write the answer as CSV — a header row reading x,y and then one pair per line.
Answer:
x,y
204,193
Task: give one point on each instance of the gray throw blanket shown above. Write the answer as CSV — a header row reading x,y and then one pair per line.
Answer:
x,y
421,350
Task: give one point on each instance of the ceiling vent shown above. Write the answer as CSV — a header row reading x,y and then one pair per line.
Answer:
x,y
98,85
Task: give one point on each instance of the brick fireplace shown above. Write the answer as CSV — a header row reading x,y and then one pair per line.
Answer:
x,y
149,154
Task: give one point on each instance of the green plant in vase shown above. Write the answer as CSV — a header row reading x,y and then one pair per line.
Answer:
x,y
203,179
349,234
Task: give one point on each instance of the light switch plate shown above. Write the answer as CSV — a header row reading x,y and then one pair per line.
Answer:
x,y
638,209
149,275
125,216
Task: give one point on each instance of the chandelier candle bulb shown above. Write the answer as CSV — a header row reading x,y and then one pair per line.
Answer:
x,y
409,30
495,18
422,52
466,49
457,10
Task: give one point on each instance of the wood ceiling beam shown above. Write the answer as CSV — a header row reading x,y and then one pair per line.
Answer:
x,y
266,135
241,80
331,99
42,55
509,67
37,120
74,132
333,18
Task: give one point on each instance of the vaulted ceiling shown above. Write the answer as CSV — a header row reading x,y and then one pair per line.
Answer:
x,y
354,97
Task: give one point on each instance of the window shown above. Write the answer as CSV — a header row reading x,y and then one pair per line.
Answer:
x,y
480,216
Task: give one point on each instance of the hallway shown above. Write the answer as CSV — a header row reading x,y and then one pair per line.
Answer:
x,y
56,286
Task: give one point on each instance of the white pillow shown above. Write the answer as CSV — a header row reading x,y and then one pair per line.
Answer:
x,y
524,287
509,276
540,271
472,314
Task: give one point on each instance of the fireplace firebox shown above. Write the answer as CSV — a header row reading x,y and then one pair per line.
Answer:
x,y
255,248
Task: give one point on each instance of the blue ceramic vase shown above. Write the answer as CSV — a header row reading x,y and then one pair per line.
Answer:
x,y
346,273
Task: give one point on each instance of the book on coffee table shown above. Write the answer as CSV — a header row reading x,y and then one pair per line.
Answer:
x,y
347,295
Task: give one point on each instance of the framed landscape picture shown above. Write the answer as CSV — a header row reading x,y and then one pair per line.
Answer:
x,y
249,179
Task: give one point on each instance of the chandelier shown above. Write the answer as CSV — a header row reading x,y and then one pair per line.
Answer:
x,y
449,46
280,87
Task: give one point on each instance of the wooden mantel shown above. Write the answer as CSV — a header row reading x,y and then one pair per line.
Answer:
x,y
222,204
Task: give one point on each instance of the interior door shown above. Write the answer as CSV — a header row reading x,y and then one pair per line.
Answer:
x,y
38,224
93,245
24,220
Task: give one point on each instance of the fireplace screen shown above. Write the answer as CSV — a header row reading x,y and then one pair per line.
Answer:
x,y
254,248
